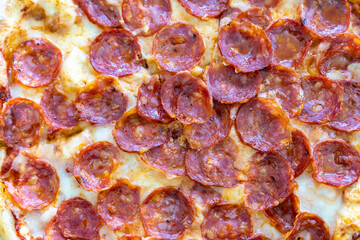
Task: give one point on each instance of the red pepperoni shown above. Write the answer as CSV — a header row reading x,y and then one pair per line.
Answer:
x,y
178,47
119,205
204,195
297,154
116,52
101,102
348,119
226,221
244,46
258,237
323,99
307,226
166,213
148,103
227,86
4,82
258,16
76,218
146,17
32,185
290,42
94,165
170,156
214,166
270,181
336,163
203,135
135,134
52,231
205,9
187,98
263,125
100,12
283,85
283,216
325,18
59,110
21,123
36,62
265,3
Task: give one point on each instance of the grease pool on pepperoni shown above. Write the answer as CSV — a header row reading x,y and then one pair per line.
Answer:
x,y
298,153
101,102
326,18
244,46
263,125
148,103
178,47
94,165
146,17
116,52
214,166
283,216
323,99
283,85
133,133
205,8
36,62
76,218
100,12
336,163
290,41
187,98
174,213
308,225
33,185
270,181
119,205
226,221
265,3
227,86
258,16
21,122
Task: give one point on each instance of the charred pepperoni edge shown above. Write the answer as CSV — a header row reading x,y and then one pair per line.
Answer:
x,y
221,6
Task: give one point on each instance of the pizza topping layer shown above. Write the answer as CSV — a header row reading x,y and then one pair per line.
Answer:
x,y
205,8
204,195
36,62
52,231
265,3
258,16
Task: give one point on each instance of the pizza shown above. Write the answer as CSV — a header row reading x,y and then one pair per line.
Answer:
x,y
179,119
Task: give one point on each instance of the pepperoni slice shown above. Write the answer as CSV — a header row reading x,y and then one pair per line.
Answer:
x,y
101,102
263,125
244,46
4,81
214,166
146,17
325,18
32,185
178,47
76,218
36,62
283,216
21,121
227,86
258,16
116,52
204,135
119,205
100,12
323,99
336,163
307,226
59,110
205,9
135,134
297,154
148,103
283,85
170,156
270,181
94,165
226,221
290,42
259,237
204,195
166,213
187,98
265,3
348,119
52,231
